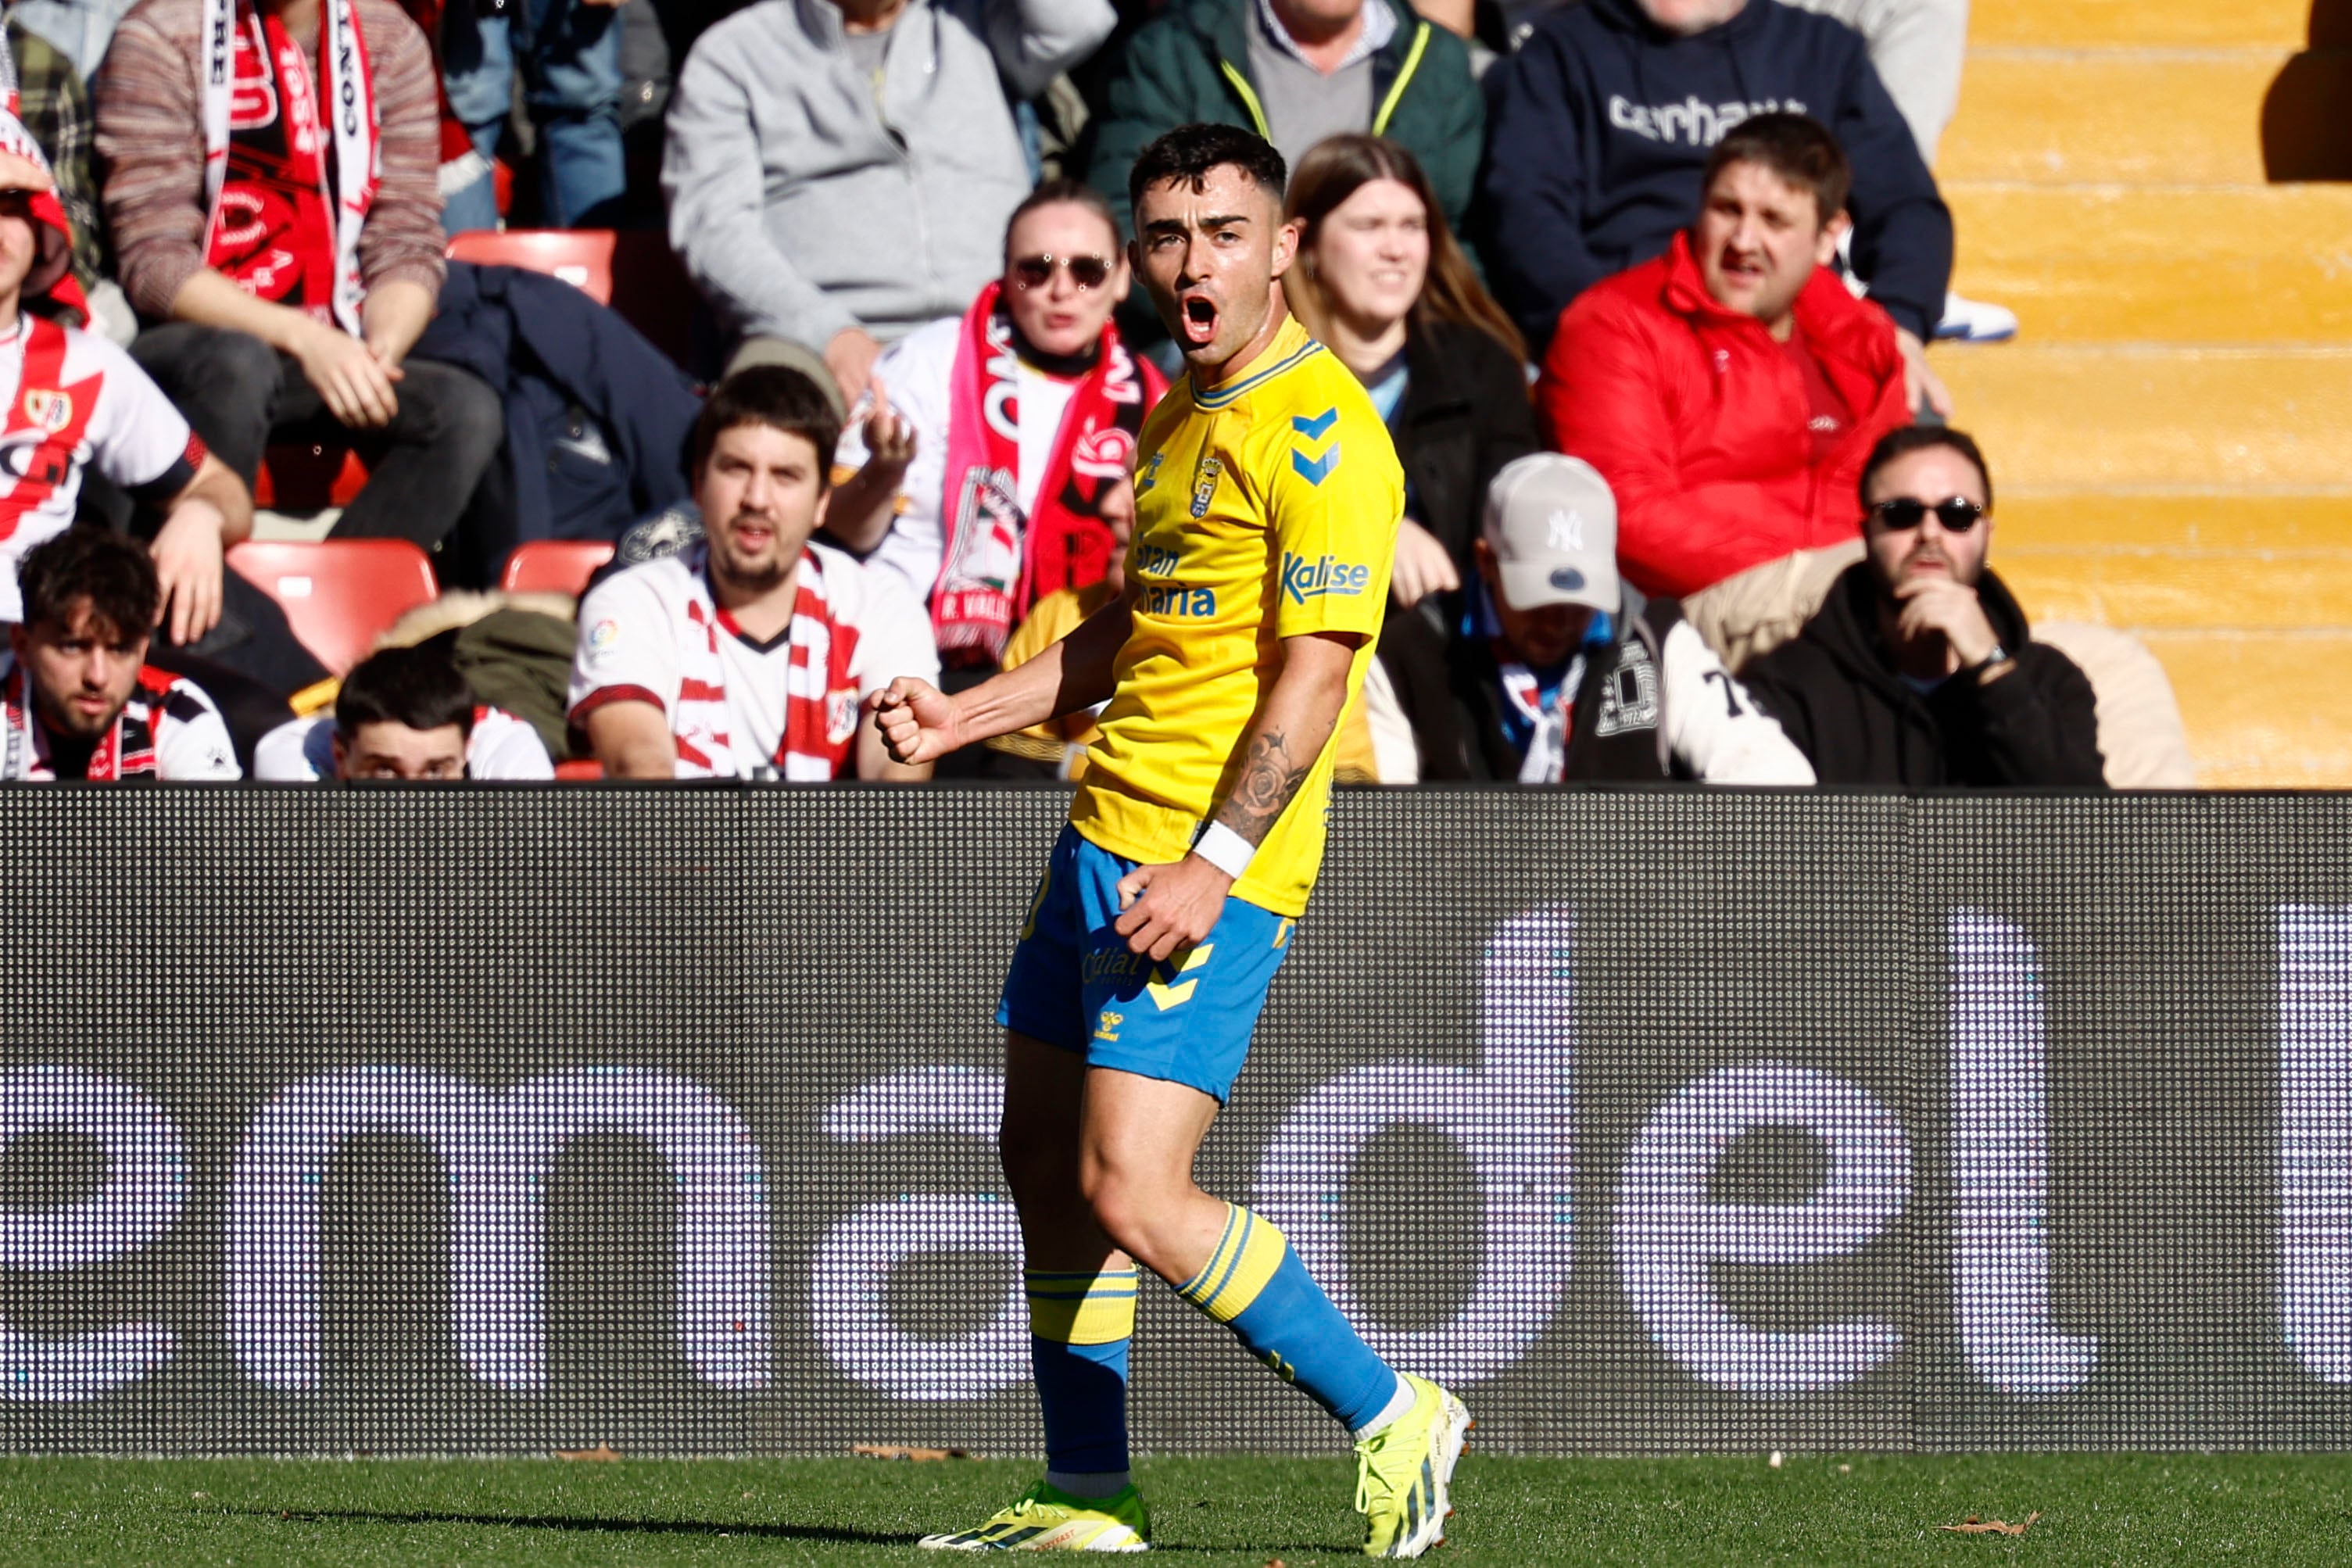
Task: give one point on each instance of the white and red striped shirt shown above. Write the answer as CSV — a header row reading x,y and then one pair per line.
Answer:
x,y
501,747
737,708
168,730
69,400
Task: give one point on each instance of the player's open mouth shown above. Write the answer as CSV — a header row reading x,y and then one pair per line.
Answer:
x,y
1200,321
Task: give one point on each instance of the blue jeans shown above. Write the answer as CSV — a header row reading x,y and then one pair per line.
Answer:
x,y
571,60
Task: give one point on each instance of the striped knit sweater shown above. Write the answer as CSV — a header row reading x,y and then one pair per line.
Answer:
x,y
150,143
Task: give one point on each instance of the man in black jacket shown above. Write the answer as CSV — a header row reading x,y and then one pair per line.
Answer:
x,y
1598,134
1918,670
1572,675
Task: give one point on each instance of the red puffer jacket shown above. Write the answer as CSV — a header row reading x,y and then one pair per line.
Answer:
x,y
1698,420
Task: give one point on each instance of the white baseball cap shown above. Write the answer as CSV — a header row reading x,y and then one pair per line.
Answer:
x,y
1552,522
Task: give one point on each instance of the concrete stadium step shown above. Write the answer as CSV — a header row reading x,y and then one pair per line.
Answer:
x,y
2080,116
2259,706
2085,418
2131,263
2182,562
2138,24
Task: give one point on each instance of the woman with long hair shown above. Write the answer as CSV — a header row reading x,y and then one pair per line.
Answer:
x,y
1381,281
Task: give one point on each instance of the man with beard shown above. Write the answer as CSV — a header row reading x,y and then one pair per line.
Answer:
x,y
1918,670
1267,496
746,655
78,698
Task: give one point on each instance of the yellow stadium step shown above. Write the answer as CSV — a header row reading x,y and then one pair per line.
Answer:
x,y
2082,116
2062,417
2257,707
2250,523
2132,263
2144,590
2139,23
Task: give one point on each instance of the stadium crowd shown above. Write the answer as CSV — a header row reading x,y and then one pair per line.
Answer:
x,y
1641,288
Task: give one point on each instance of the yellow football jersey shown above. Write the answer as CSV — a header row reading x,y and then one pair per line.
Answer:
x,y
1265,509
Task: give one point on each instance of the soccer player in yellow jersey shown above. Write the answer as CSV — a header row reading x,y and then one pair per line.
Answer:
x,y
1267,497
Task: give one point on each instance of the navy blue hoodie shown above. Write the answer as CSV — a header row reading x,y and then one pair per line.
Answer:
x,y
1599,127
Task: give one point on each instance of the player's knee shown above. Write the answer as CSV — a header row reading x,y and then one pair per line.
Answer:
x,y
1121,1207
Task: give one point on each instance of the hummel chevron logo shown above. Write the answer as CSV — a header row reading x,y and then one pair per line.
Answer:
x,y
1168,994
1314,429
1315,470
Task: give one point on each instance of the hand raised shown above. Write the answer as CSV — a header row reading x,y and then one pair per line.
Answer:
x,y
916,721
889,434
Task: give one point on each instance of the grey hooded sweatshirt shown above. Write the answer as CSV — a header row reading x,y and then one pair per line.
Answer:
x,y
804,200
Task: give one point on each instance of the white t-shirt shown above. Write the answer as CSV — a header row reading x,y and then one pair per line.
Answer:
x,y
500,747
168,730
633,631
918,373
73,399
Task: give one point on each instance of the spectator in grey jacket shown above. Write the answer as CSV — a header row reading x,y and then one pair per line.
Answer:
x,y
840,171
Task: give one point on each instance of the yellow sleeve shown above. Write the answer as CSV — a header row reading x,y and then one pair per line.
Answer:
x,y
1334,495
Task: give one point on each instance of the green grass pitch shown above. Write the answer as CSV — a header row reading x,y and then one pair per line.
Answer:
x,y
2170,1509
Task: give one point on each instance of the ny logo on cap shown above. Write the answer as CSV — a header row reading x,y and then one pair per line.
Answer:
x,y
1566,529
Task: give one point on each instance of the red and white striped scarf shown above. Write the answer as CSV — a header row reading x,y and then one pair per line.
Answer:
x,y
127,750
348,128
821,695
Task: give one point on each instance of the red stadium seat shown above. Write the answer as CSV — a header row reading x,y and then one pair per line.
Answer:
x,y
584,771
580,257
340,594
554,566
308,477
632,270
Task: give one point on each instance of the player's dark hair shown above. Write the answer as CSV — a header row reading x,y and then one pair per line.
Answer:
x,y
1796,147
1898,444
418,688
111,571
1188,152
776,395
1057,193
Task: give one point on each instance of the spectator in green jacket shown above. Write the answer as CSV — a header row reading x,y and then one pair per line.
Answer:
x,y
1296,72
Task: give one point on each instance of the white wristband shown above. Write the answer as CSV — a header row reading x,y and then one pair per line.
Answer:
x,y
1226,850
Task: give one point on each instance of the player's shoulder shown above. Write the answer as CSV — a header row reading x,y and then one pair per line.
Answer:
x,y
665,581
172,696
856,593
299,751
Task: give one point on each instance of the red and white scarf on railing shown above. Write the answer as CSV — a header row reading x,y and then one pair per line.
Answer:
x,y
820,692
127,750
997,563
287,228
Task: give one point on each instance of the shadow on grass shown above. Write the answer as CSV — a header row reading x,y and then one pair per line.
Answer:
x,y
558,1521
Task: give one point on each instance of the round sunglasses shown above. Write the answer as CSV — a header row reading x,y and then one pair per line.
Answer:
x,y
1957,515
1036,271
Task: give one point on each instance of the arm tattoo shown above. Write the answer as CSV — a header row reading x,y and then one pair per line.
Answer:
x,y
1269,782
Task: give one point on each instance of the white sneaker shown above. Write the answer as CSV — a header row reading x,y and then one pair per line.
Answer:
x,y
1974,321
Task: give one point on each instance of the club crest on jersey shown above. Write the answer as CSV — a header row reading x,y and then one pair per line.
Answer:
x,y
49,411
1205,485
840,717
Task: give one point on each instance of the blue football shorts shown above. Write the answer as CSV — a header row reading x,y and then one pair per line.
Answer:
x,y
1074,983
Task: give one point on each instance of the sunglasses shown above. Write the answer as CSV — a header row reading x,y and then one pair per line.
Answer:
x,y
1957,515
1086,271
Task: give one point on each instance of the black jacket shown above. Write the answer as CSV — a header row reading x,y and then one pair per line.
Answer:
x,y
1599,127
1464,416
597,417
1836,691
1618,728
